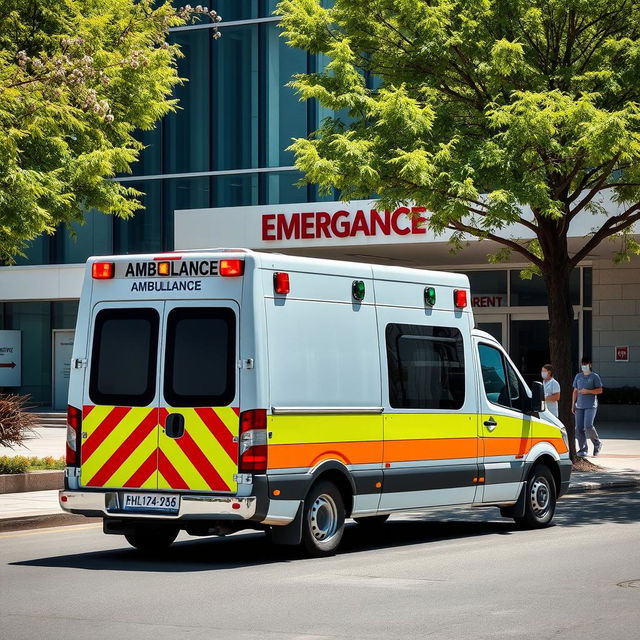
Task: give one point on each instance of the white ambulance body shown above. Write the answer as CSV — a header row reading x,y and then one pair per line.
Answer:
x,y
218,390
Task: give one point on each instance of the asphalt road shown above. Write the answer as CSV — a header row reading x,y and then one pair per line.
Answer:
x,y
450,574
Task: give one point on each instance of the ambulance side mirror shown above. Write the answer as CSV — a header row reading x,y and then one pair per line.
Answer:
x,y
537,397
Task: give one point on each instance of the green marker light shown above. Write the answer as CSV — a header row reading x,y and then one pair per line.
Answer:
x,y
357,290
429,296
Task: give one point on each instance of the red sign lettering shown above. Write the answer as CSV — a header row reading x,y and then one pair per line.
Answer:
x,y
343,224
486,301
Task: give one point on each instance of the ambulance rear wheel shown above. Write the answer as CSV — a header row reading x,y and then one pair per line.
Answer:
x,y
540,499
323,519
151,537
372,521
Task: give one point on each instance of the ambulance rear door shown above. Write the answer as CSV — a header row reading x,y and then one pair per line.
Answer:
x,y
120,400
199,397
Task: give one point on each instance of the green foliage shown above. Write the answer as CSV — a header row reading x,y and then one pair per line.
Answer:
x,y
23,464
77,77
494,114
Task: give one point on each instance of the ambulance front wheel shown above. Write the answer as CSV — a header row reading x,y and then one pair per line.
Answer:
x,y
151,537
323,519
540,499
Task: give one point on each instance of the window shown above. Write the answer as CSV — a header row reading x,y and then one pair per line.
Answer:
x,y
123,366
200,357
501,382
425,366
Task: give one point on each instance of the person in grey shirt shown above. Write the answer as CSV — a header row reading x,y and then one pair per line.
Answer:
x,y
551,389
587,386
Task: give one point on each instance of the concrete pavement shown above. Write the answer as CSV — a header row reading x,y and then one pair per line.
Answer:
x,y
620,462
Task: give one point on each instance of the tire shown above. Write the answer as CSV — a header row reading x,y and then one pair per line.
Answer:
x,y
151,537
540,499
372,521
323,519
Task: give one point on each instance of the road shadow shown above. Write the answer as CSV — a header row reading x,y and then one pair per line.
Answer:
x,y
253,548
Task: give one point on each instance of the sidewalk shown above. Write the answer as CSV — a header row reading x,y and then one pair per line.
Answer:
x,y
620,459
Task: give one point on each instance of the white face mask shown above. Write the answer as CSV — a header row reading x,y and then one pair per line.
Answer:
x,y
544,375
585,368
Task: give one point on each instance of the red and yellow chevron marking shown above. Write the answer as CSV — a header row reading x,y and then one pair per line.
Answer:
x,y
205,458
124,448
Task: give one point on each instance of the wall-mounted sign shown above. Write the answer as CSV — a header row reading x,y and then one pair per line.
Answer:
x,y
305,224
10,358
622,354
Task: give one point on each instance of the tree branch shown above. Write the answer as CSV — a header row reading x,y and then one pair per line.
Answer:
x,y
456,225
612,226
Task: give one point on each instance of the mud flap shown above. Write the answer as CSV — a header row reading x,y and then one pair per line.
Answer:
x,y
291,533
517,510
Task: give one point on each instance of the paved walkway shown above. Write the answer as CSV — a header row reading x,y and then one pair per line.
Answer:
x,y
620,459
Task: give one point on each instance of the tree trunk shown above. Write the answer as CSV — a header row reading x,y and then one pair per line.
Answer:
x,y
556,275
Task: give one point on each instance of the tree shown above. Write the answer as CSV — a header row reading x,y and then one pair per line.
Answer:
x,y
490,113
77,77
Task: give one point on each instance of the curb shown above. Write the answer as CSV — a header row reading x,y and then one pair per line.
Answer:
x,y
42,521
31,481
622,483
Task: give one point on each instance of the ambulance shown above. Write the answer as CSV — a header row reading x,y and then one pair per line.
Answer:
x,y
220,390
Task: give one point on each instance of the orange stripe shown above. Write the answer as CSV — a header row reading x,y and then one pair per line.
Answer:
x,y
283,456
431,449
518,446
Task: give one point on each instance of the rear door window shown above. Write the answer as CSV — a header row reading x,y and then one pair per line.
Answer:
x,y
200,357
124,357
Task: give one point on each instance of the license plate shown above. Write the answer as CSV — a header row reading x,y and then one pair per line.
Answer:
x,y
151,501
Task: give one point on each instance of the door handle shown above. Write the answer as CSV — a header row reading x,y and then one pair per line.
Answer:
x,y
174,426
491,424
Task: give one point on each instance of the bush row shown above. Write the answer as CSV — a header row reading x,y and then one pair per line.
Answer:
x,y
22,464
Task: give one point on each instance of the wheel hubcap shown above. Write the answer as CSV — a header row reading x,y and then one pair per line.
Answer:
x,y
324,518
540,497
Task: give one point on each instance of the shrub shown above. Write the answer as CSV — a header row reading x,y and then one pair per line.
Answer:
x,y
22,464
16,424
17,464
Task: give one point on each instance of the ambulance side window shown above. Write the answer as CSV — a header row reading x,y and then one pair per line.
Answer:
x,y
200,357
124,356
425,367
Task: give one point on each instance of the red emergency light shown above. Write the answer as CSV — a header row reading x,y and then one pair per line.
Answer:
x,y
103,270
281,282
231,268
460,298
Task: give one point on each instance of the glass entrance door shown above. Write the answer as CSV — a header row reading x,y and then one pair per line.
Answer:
x,y
529,343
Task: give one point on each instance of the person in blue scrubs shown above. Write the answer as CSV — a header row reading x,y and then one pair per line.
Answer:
x,y
587,386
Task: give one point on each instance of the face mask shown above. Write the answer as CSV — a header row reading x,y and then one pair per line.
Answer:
x,y
543,375
585,368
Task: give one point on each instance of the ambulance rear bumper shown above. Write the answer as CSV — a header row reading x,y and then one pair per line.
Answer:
x,y
192,507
